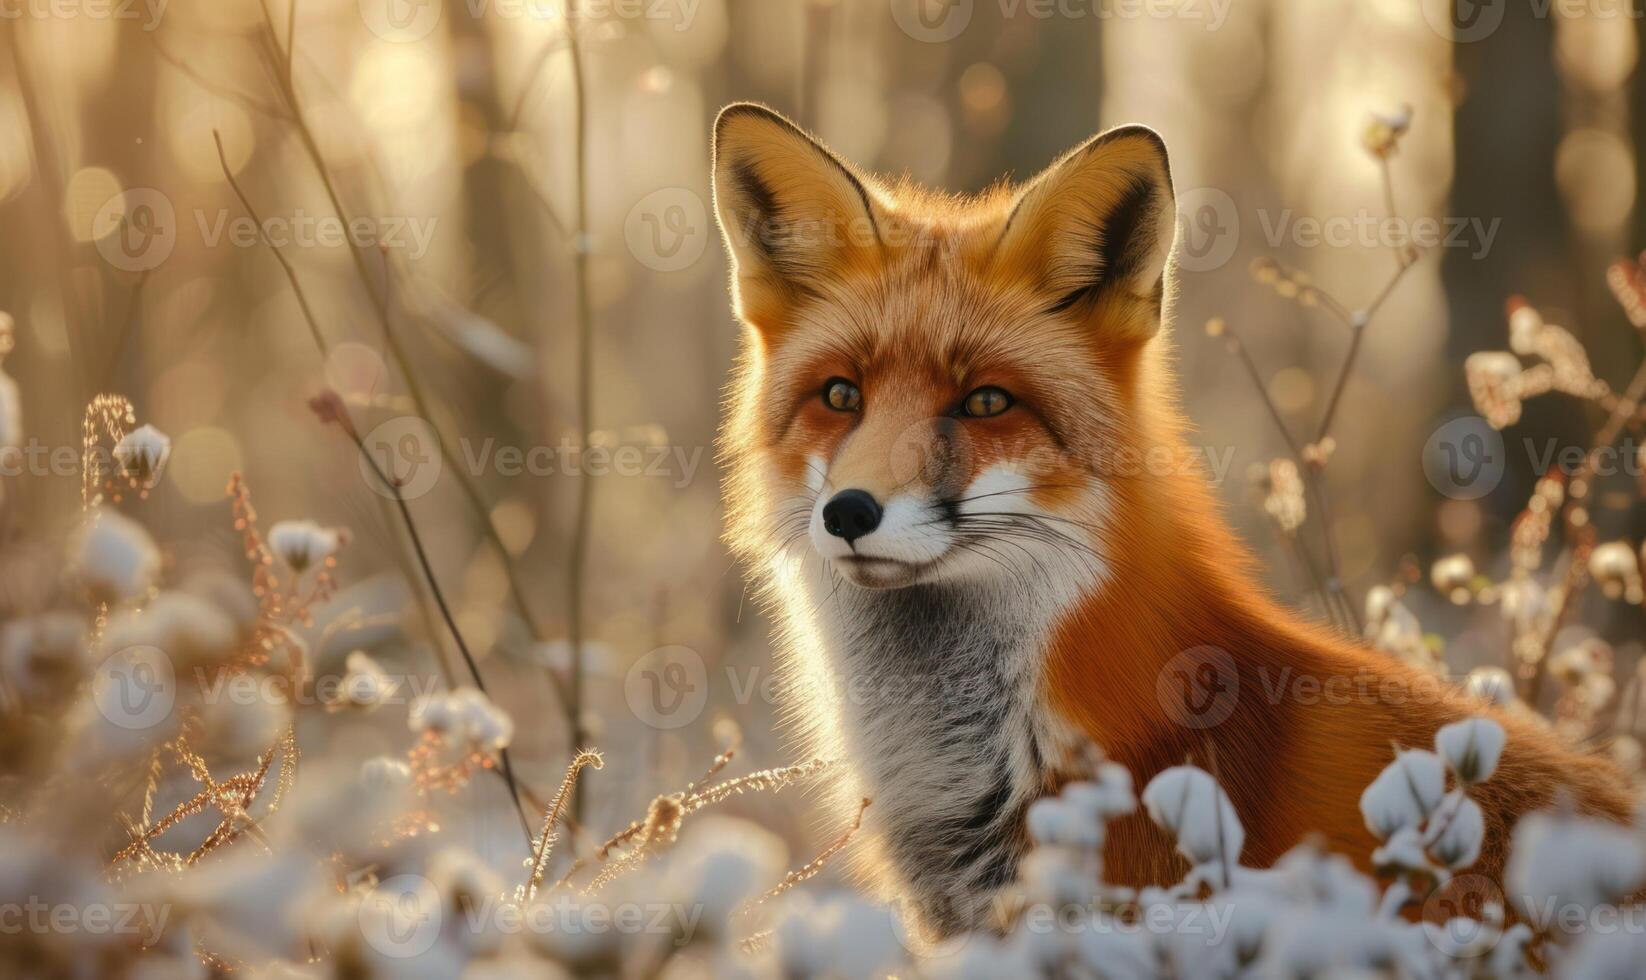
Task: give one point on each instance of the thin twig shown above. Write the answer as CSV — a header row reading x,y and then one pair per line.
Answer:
x,y
313,325
309,319
233,95
506,768
577,560
1578,491
414,387
528,86
124,325
1240,350
1239,347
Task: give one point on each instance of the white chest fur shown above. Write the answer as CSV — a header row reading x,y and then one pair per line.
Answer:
x,y
935,707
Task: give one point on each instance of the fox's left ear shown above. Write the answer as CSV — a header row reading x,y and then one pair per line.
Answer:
x,y
1098,225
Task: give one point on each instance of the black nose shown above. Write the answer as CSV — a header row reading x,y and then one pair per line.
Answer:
x,y
851,514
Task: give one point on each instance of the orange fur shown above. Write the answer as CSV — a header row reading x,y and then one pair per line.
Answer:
x,y
918,298
1293,763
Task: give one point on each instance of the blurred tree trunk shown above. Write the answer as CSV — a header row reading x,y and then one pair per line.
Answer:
x,y
1507,129
486,203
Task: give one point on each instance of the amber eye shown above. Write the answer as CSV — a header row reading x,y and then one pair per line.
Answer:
x,y
842,396
986,402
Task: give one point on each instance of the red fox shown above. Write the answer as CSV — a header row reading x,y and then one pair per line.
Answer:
x,y
955,457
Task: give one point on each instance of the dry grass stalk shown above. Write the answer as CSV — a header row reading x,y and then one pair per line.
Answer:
x,y
107,416
755,782
720,762
545,841
638,836
811,868
280,606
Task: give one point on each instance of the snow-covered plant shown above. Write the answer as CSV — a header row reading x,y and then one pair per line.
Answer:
x,y
1491,684
1189,804
465,716
1394,628
1429,832
1404,794
365,684
1561,863
301,545
1454,577
141,455
114,557
43,659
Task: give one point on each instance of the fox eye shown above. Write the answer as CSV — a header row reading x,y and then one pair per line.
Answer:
x,y
985,403
841,395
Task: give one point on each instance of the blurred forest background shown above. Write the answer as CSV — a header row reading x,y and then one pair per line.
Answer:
x,y
510,200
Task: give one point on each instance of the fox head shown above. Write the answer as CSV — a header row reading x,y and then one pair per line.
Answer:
x,y
936,388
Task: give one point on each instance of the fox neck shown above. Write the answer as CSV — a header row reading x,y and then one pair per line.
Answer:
x,y
959,703
939,717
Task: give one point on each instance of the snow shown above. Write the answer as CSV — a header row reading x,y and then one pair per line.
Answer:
x,y
1186,802
466,715
301,545
1561,862
1404,793
1457,832
1471,748
114,557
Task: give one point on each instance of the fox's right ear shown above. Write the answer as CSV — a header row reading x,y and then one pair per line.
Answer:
x,y
793,214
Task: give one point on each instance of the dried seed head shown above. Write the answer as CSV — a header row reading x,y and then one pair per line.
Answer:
x,y
1383,131
142,454
663,819
303,544
1616,570
1453,577
329,408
